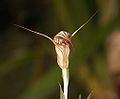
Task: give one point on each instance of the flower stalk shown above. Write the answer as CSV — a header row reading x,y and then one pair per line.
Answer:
x,y
65,75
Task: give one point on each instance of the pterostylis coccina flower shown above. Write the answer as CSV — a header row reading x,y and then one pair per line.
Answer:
x,y
62,43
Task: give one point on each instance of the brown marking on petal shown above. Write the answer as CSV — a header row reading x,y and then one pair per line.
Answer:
x,y
63,38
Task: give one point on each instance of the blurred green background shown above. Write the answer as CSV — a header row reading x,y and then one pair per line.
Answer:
x,y
28,68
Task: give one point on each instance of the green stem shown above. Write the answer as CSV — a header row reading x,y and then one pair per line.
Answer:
x,y
65,75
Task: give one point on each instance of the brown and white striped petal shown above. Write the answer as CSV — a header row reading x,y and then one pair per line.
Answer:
x,y
62,47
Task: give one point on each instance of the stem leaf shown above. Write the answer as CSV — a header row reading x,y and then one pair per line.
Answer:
x,y
62,96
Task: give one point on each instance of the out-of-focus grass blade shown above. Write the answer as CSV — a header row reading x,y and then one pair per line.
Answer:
x,y
63,14
80,96
61,93
14,61
89,96
43,88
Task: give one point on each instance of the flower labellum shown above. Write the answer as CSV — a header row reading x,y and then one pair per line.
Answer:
x,y
62,46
